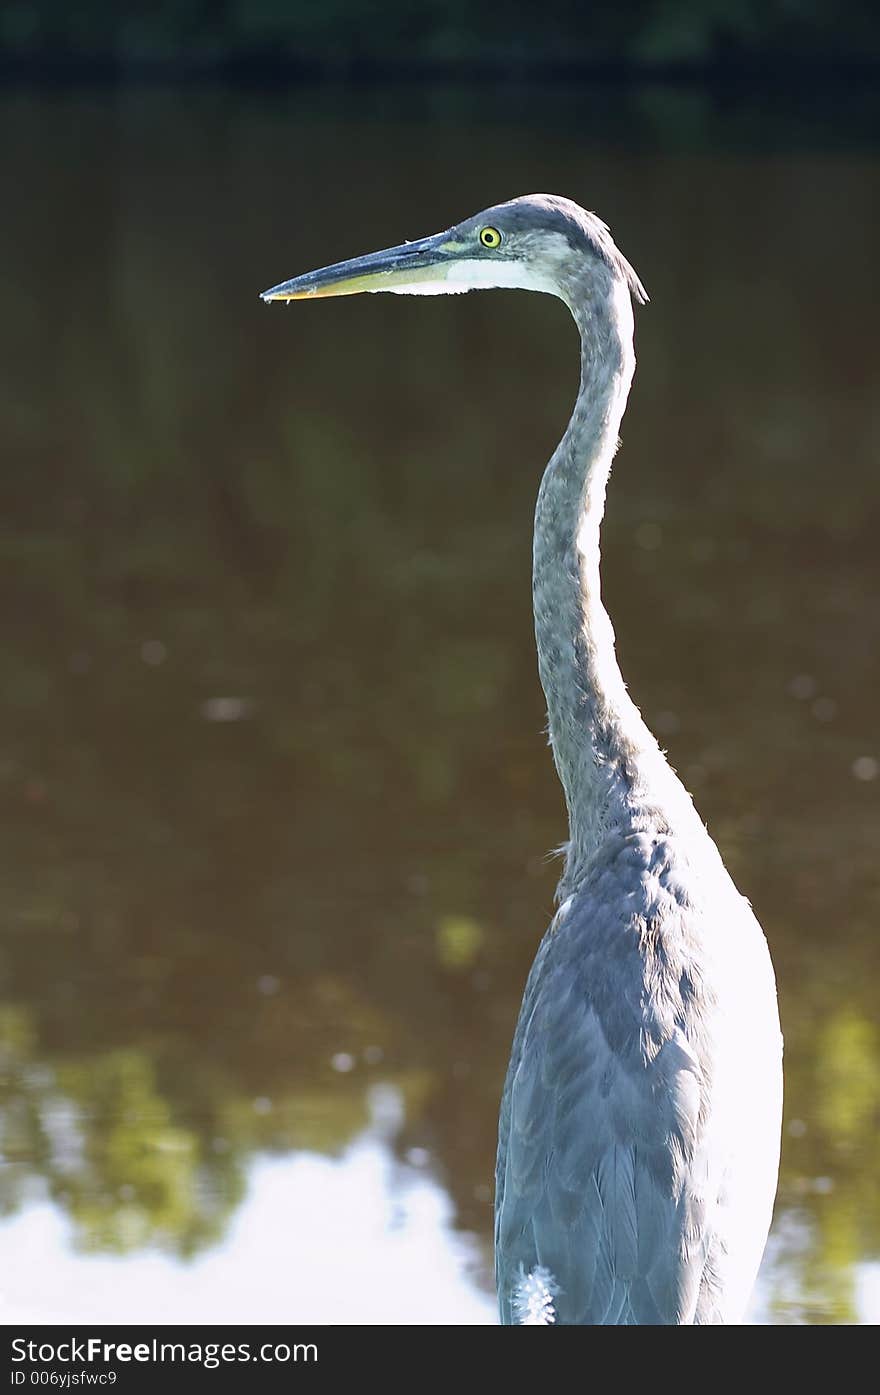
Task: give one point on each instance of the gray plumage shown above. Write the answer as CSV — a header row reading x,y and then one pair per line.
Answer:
x,y
639,1127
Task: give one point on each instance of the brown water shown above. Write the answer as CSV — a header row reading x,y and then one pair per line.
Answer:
x,y
275,797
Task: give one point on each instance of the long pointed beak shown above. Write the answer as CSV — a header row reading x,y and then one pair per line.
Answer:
x,y
408,267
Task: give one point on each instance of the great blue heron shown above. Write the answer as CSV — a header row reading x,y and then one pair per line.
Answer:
x,y
638,1142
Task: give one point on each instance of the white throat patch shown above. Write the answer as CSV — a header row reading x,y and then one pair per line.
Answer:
x,y
480,274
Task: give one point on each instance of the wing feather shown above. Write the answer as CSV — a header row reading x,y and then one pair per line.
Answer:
x,y
604,1109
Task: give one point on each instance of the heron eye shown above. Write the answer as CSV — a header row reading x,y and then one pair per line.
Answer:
x,y
490,237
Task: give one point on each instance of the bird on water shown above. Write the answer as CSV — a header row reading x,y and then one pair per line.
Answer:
x,y
638,1142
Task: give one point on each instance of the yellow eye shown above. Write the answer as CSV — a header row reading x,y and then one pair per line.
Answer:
x,y
490,237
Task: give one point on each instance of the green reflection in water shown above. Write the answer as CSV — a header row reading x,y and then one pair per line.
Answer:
x,y
274,795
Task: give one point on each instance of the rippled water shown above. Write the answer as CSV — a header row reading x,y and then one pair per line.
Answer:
x,y
275,799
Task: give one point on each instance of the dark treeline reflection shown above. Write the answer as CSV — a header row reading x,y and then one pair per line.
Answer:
x,y
275,798
344,35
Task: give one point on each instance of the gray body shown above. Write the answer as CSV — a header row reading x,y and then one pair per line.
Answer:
x,y
638,1147
639,1129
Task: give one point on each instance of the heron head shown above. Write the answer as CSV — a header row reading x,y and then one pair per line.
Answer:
x,y
539,243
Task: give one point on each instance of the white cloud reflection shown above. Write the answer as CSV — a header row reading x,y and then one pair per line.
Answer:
x,y
361,1238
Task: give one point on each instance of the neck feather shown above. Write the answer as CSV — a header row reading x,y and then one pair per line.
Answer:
x,y
602,748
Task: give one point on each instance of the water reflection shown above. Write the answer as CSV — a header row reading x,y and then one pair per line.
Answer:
x,y
363,1238
273,792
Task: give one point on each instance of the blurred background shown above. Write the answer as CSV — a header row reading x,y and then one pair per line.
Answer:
x,y
275,798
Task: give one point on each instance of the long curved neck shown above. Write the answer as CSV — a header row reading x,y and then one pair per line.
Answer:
x,y
597,734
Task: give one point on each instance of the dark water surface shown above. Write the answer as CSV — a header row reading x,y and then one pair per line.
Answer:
x,y
275,798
